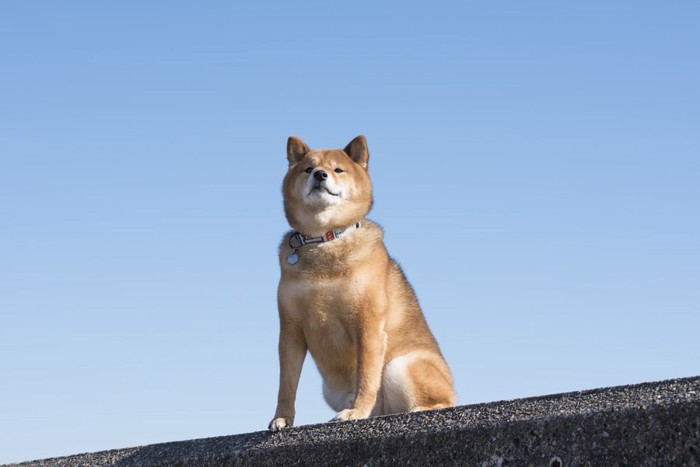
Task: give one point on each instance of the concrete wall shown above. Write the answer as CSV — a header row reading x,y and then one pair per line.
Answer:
x,y
646,424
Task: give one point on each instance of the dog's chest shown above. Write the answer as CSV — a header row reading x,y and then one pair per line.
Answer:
x,y
324,308
316,299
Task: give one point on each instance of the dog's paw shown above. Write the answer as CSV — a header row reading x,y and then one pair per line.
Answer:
x,y
349,414
279,424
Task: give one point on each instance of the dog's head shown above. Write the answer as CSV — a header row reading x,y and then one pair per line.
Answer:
x,y
326,189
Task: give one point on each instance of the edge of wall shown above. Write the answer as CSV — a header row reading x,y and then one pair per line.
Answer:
x,y
644,424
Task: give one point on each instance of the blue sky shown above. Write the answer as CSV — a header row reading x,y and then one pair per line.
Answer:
x,y
535,167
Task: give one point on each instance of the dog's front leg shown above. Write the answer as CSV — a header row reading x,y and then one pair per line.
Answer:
x,y
371,347
292,351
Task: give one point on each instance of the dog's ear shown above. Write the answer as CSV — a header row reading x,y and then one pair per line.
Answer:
x,y
358,152
296,149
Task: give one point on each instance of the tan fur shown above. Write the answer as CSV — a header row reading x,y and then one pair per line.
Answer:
x,y
347,302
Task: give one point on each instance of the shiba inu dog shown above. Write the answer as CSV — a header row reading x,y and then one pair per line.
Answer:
x,y
344,300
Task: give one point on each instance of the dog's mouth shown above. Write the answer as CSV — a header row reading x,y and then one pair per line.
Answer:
x,y
321,189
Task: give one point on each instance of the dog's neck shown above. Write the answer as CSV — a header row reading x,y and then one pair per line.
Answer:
x,y
298,239
315,221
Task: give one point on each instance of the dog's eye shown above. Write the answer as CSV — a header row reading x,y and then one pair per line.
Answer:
x,y
338,170
308,171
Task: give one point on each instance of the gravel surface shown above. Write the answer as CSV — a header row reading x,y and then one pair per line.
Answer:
x,y
644,424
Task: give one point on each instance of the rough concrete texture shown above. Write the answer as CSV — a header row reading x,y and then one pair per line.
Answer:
x,y
645,424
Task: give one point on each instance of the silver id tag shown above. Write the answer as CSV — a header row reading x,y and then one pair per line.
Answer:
x,y
293,258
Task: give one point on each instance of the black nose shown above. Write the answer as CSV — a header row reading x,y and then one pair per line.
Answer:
x,y
320,175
